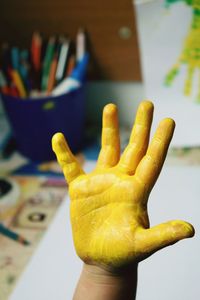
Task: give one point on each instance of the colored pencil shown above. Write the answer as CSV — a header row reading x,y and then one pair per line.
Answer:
x,y
13,235
41,69
80,45
62,60
52,74
15,58
36,49
47,62
71,65
3,84
16,78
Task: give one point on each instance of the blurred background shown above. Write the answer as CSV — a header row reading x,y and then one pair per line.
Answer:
x,y
61,62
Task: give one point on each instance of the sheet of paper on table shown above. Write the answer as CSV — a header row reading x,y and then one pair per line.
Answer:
x,y
172,273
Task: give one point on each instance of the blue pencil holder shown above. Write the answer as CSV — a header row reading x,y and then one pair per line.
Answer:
x,y
34,121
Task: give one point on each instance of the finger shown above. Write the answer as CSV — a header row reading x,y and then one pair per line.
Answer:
x,y
150,166
66,159
139,139
153,239
110,150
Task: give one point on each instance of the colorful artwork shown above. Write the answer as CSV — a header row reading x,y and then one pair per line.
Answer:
x,y
169,41
190,54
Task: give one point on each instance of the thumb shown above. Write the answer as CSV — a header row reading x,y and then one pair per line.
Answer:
x,y
153,239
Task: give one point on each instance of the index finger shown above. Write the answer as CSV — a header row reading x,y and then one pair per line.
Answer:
x,y
150,166
67,161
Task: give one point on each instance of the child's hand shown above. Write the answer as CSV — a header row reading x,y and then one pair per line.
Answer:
x,y
109,205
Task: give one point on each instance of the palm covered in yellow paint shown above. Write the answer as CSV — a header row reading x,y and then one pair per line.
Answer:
x,y
109,205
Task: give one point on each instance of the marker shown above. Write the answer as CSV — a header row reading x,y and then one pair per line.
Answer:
x,y
75,80
47,62
62,60
12,235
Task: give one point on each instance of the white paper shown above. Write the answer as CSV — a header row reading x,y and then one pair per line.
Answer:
x,y
161,36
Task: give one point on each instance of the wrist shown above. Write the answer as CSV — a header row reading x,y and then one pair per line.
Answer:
x,y
99,275
103,284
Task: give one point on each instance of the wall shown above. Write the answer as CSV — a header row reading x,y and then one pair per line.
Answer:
x,y
126,95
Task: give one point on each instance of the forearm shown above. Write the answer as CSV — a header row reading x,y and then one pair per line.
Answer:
x,y
95,283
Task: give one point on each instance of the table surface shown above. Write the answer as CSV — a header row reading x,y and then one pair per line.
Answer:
x,y
172,273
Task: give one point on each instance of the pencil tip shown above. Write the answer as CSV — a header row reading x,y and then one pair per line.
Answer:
x,y
26,243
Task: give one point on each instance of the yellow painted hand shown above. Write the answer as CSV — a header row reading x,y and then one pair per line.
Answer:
x,y
109,205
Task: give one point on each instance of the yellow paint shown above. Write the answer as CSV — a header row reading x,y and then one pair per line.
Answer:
x,y
49,105
109,205
190,54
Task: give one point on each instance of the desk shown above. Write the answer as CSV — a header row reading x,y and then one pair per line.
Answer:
x,y
172,273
